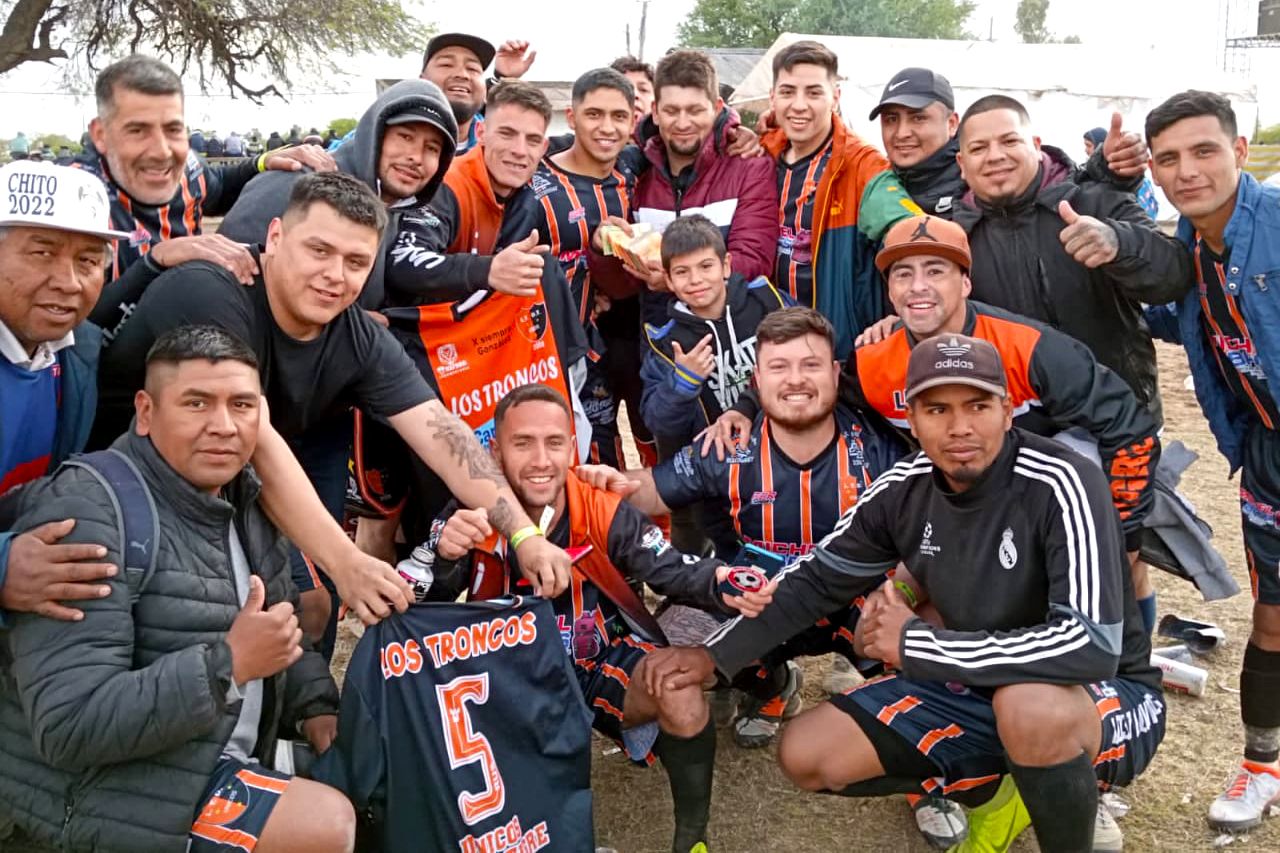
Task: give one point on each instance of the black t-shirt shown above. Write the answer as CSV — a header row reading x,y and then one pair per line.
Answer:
x,y
353,362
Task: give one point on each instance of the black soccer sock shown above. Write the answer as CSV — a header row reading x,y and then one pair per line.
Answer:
x,y
690,764
1259,687
1062,801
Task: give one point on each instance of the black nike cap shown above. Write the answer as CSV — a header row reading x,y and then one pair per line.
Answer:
x,y
916,88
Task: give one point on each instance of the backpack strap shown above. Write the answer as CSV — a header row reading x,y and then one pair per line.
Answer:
x,y
137,520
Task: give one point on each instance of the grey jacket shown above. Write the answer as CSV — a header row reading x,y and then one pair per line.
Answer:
x,y
267,195
111,727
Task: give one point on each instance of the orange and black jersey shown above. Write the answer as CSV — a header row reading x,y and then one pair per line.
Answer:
x,y
1232,345
774,502
797,192
203,190
1055,383
625,544
570,208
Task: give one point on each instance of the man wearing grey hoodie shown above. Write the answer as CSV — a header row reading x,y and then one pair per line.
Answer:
x,y
402,148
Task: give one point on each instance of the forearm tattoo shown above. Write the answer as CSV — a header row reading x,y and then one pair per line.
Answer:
x,y
466,450
463,447
503,517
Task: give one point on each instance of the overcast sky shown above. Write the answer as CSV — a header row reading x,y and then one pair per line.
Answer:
x,y
573,35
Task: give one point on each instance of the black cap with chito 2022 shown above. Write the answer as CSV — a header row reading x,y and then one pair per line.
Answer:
x,y
916,88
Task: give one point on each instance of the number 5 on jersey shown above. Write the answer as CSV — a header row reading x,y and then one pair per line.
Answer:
x,y
467,747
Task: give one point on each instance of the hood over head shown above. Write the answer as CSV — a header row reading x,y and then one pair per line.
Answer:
x,y
359,157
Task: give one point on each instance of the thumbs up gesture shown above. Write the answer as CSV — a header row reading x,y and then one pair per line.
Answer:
x,y
1126,153
517,269
884,618
1090,241
263,640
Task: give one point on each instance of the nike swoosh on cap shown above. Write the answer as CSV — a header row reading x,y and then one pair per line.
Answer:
x,y
893,86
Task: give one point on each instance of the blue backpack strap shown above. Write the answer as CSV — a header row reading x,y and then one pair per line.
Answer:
x,y
137,521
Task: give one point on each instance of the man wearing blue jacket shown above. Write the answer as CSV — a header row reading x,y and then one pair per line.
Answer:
x,y
1229,323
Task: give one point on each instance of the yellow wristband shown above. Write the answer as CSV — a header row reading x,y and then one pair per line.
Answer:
x,y
907,592
522,534
262,161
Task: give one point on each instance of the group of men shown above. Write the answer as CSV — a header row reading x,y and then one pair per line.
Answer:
x,y
892,354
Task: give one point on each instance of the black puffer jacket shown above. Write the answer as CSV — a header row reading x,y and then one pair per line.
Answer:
x,y
1019,264
111,727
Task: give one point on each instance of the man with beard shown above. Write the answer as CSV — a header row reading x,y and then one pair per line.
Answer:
x,y
160,190
606,629
804,461
690,171
456,62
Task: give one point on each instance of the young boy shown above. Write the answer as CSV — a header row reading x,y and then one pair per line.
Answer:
x,y
702,357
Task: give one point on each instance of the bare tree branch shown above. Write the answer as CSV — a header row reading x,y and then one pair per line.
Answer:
x,y
252,47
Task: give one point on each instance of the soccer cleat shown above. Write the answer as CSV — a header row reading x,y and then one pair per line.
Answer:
x,y
1107,837
842,677
1255,788
940,821
994,825
757,724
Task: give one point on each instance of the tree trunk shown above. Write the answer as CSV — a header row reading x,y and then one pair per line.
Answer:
x,y
23,39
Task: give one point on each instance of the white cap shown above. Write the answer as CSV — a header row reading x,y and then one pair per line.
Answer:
x,y
43,195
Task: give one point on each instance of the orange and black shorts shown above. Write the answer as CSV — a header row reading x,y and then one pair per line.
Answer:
x,y
236,806
954,727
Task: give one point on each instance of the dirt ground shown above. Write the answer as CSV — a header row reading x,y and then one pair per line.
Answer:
x,y
757,810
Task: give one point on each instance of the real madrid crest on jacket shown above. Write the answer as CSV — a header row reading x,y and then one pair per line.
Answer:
x,y
676,405
462,729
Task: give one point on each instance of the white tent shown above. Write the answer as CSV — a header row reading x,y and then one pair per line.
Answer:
x,y
1067,88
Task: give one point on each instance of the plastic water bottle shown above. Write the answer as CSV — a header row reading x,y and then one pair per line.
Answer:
x,y
416,569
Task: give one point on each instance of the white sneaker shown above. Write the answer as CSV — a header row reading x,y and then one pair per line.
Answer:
x,y
842,677
1255,788
942,822
757,724
1107,837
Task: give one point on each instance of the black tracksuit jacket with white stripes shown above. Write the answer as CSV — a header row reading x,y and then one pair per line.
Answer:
x,y
1027,569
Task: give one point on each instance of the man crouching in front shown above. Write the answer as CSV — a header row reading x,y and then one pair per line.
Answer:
x,y
150,724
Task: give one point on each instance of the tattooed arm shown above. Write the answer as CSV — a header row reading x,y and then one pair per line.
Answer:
x,y
450,449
